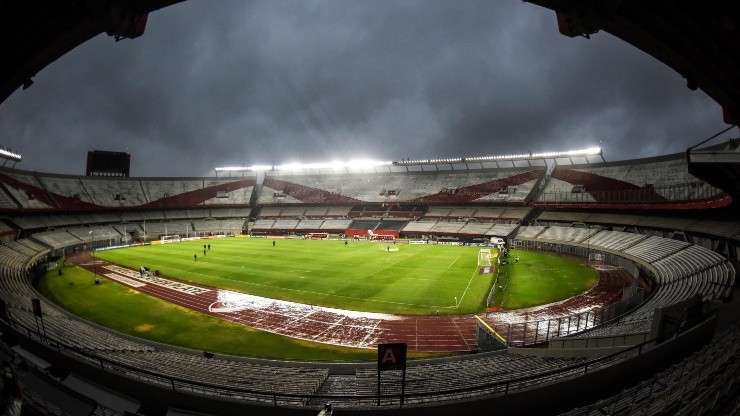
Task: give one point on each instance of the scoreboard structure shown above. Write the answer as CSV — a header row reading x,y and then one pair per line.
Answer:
x,y
105,163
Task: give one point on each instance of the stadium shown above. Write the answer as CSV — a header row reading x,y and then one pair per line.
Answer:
x,y
657,334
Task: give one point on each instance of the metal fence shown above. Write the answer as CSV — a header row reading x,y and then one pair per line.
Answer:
x,y
536,332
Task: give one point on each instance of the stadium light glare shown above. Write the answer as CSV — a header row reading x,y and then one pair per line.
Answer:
x,y
353,164
591,151
367,163
9,155
260,167
253,168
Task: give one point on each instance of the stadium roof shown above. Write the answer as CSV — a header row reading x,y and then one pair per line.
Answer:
x,y
699,40
35,33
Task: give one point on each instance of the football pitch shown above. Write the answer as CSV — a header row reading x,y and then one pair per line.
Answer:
x,y
361,276
414,280
373,277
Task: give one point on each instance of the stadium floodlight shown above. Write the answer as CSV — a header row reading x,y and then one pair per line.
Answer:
x,y
10,155
293,166
368,163
352,164
591,151
253,168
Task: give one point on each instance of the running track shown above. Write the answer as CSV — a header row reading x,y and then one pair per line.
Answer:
x,y
334,326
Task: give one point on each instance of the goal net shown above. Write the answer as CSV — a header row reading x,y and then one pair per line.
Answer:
x,y
316,236
170,239
484,257
596,257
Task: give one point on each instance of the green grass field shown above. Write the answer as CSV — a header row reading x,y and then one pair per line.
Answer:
x,y
416,279
540,278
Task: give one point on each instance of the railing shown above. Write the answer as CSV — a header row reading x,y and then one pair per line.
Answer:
x,y
686,381
535,332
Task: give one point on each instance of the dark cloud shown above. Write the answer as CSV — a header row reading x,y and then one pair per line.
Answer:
x,y
234,82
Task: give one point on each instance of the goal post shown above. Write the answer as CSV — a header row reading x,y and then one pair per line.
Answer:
x,y
169,239
484,257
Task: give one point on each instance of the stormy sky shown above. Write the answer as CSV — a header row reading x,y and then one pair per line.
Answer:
x,y
269,82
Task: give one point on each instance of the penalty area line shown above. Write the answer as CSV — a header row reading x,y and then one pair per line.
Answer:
x,y
453,261
475,273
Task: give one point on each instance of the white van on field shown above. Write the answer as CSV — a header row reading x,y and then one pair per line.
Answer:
x,y
498,242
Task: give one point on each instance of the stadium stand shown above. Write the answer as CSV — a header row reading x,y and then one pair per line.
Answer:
x,y
63,192
566,234
115,192
283,224
364,224
309,225
293,212
418,227
489,213
6,203
655,248
424,187
615,240
99,218
475,228
392,225
153,215
502,230
337,211
692,386
662,181
58,239
263,224
176,214
682,270
212,225
335,225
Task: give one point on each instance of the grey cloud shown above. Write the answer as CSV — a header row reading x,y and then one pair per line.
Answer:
x,y
238,82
